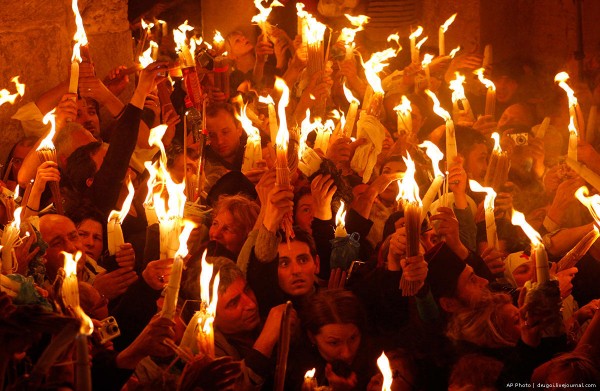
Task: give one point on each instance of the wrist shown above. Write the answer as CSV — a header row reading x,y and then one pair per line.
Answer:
x,y
323,214
128,359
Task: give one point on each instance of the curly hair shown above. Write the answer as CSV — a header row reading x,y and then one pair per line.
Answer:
x,y
243,210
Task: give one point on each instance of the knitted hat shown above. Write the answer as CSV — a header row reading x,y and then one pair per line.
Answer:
x,y
234,182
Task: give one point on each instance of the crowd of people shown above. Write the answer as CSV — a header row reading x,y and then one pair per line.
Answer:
x,y
457,313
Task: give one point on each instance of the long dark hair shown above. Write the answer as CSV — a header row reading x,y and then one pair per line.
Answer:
x,y
330,307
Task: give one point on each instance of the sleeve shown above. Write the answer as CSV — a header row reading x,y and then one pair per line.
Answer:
x,y
357,223
263,279
105,373
479,266
109,178
323,232
467,227
265,248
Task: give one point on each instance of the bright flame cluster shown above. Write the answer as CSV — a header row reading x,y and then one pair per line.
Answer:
x,y
6,96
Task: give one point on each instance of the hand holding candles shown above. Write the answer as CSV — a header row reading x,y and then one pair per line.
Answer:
x,y
115,220
497,171
172,289
47,152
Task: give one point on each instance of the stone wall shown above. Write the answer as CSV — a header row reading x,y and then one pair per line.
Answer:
x,y
35,42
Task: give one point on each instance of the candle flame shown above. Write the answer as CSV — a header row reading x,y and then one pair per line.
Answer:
x,y
210,306
358,21
436,106
146,58
306,126
426,60
375,65
384,366
435,155
251,131
80,37
147,26
315,30
340,216
283,135
188,227
266,99
347,35
205,277
6,96
497,147
592,203
456,85
394,37
310,374
70,292
447,23
17,218
518,218
486,82
349,97
490,196
421,42
47,141
180,35
417,33
561,78
218,38
409,190
120,215
264,12
454,51
152,175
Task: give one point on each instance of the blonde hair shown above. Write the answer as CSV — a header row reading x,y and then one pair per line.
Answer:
x,y
243,210
480,324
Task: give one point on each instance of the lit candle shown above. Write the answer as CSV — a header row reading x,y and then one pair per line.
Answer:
x,y
273,129
451,151
253,150
458,96
372,67
441,38
490,217
572,151
10,240
497,170
80,39
115,219
263,15
283,136
414,52
310,383
588,175
404,117
151,216
352,111
172,289
574,110
340,218
435,155
490,97
537,247
47,152
208,309
425,65
324,132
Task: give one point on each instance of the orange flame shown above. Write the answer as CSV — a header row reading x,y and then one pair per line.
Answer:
x,y
80,38
340,216
283,135
417,33
592,202
146,58
426,60
6,96
447,23
120,215
486,82
349,97
384,366
518,218
395,38
264,12
490,196
375,65
436,106
47,141
409,190
456,85
561,78
497,147
435,155
251,131
70,292
454,51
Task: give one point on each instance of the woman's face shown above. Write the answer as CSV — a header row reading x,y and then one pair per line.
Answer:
x,y
508,320
338,342
225,231
304,213
523,273
239,45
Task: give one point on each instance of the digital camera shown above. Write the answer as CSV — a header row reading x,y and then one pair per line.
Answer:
x,y
520,138
108,330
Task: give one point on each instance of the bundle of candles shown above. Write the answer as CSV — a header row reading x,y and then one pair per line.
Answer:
x,y
188,64
253,150
461,109
263,14
408,197
10,239
315,36
497,171
490,218
46,152
404,117
373,100
344,247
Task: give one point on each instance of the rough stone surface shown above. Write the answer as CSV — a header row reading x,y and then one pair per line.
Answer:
x,y
36,43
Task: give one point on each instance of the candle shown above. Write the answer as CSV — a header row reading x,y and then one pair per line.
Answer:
x,y
282,137
572,151
208,309
414,52
574,110
47,152
442,30
273,129
588,175
490,97
543,128
488,56
404,117
384,366
253,150
115,219
490,218
376,64
537,247
10,239
74,78
80,39
425,64
340,218
497,171
352,111
263,15
323,135
458,96
436,156
172,289
590,130
451,151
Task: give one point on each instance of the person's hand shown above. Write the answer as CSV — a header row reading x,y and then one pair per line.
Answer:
x,y
493,260
114,284
531,323
322,189
537,152
503,205
66,110
24,254
282,46
414,269
457,179
587,154
469,62
338,383
280,202
319,87
91,87
383,181
116,80
565,278
565,195
270,333
152,103
46,172
125,256
218,374
354,82
409,73
148,78
447,226
264,185
397,249
552,179
157,273
337,279
263,48
257,172
587,311
149,342
485,124
340,150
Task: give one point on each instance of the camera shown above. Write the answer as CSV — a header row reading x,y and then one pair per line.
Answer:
x,y
520,138
108,330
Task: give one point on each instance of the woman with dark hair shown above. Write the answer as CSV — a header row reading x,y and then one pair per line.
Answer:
x,y
335,343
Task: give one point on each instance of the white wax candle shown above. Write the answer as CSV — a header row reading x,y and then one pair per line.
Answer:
x,y
151,216
490,227
172,289
273,128
572,151
74,80
441,41
541,264
114,234
350,119
451,151
430,195
490,102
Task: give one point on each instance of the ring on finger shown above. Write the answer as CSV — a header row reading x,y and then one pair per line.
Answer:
x,y
161,278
